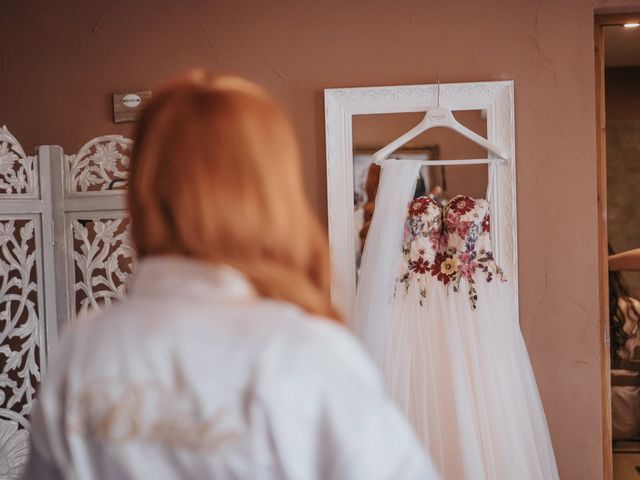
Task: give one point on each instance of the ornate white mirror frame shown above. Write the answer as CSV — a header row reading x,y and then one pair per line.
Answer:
x,y
340,106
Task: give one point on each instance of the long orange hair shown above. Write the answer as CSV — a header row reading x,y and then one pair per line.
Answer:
x,y
216,176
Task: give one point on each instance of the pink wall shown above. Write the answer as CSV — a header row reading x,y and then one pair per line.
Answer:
x,y
60,61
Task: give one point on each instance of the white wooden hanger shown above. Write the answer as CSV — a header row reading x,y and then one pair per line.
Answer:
x,y
442,117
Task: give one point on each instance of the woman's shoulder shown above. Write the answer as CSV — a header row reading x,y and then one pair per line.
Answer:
x,y
305,330
286,325
320,350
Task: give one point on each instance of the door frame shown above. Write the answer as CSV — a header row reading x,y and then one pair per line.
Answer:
x,y
600,22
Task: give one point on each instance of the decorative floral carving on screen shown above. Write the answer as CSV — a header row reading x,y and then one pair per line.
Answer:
x,y
19,340
100,165
14,449
103,261
17,170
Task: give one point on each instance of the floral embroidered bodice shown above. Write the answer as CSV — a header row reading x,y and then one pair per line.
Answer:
x,y
448,244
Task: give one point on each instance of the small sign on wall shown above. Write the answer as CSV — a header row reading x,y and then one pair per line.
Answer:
x,y
126,106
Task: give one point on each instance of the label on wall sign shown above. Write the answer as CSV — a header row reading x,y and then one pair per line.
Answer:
x,y
127,105
131,100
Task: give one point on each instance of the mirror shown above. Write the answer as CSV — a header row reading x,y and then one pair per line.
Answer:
x,y
360,120
621,79
437,300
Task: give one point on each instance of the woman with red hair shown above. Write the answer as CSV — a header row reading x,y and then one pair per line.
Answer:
x,y
226,360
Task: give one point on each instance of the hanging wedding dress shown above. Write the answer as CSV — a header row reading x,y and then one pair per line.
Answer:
x,y
437,314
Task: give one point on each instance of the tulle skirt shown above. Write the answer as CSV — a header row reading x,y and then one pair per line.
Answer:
x,y
464,379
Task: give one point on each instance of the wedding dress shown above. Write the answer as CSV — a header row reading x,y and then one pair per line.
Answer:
x,y
437,314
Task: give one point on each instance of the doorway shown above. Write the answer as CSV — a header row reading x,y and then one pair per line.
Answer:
x,y
617,56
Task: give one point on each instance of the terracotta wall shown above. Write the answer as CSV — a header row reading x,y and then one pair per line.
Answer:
x,y
60,61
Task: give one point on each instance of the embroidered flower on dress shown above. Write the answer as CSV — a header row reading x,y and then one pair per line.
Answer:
x,y
419,206
449,266
441,267
467,264
434,238
419,265
458,247
486,223
462,204
455,224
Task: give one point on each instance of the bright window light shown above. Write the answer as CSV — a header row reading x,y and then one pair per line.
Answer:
x,y
632,25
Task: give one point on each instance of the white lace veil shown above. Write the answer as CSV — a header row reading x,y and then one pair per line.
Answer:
x,y
382,257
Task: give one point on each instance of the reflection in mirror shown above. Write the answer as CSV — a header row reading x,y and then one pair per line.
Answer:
x,y
622,107
372,132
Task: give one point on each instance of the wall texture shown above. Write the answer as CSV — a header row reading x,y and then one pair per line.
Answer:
x,y
60,61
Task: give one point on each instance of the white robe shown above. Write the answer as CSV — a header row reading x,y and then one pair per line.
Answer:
x,y
194,376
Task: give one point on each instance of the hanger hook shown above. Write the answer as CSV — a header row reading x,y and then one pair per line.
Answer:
x,y
438,99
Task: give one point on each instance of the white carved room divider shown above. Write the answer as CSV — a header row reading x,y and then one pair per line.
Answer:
x,y
64,249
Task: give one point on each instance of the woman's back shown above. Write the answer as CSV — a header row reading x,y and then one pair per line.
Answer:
x,y
195,376
227,360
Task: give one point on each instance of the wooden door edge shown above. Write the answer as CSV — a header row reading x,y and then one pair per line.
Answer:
x,y
603,253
